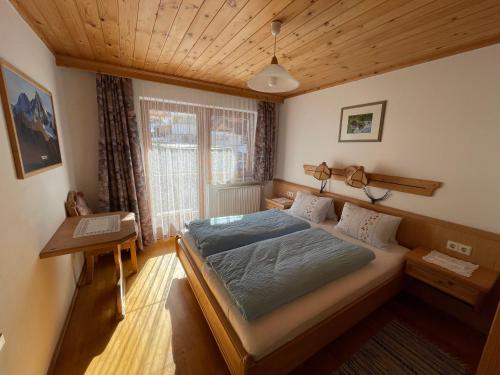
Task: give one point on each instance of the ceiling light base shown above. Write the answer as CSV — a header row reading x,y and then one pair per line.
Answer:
x,y
275,27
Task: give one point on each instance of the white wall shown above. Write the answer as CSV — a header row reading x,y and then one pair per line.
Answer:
x,y
34,294
442,123
77,90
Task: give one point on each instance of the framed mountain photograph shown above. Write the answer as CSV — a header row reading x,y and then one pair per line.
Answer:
x,y
31,122
362,123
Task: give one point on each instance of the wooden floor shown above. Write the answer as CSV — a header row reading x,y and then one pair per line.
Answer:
x,y
164,331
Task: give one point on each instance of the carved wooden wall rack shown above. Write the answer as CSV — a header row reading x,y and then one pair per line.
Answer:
x,y
396,183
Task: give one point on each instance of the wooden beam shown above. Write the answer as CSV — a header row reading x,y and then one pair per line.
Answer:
x,y
403,184
121,71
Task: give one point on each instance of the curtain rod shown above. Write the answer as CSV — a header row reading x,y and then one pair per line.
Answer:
x,y
153,99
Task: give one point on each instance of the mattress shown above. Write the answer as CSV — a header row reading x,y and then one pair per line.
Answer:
x,y
262,336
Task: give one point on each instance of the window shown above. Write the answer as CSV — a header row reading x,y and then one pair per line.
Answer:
x,y
173,159
232,140
188,146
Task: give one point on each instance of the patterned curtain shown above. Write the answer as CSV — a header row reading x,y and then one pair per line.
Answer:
x,y
265,140
122,183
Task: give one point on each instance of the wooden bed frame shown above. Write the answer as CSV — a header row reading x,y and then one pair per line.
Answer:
x,y
293,353
415,230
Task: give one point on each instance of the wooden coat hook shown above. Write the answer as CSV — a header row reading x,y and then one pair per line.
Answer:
x,y
396,183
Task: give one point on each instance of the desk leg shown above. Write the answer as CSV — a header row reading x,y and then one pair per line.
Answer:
x,y
89,268
120,284
133,256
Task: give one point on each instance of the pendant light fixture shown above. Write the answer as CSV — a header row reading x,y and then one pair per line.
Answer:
x,y
273,78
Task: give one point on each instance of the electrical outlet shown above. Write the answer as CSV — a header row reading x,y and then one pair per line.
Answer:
x,y
289,194
2,341
464,249
459,247
452,245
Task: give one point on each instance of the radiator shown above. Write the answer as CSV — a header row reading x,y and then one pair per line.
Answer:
x,y
233,200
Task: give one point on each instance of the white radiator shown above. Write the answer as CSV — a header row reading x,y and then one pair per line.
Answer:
x,y
233,200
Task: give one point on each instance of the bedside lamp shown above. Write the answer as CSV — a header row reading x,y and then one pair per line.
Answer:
x,y
356,177
322,173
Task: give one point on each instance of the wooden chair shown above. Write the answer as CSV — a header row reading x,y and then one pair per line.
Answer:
x,y
77,206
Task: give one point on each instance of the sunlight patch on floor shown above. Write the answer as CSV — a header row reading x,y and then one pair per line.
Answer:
x,y
142,342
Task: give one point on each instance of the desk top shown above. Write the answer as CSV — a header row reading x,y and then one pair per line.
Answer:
x,y
62,242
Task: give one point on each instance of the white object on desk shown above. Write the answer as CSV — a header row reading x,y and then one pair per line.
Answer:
x,y
452,264
97,225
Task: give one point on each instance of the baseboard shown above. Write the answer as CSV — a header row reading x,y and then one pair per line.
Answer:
x,y
55,355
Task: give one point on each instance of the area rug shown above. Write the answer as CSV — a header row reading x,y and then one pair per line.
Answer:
x,y
397,350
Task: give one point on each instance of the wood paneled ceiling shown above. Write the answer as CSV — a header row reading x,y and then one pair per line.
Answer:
x,y
322,42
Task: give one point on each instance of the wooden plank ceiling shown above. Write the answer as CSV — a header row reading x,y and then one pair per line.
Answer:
x,y
322,42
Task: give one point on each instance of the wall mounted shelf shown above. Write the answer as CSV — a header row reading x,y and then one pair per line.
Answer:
x,y
396,183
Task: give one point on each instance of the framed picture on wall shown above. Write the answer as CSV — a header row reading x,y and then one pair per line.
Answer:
x,y
31,123
362,123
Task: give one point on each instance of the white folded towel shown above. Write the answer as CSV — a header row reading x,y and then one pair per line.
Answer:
x,y
453,264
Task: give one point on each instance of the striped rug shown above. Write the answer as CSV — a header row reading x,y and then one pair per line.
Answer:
x,y
397,350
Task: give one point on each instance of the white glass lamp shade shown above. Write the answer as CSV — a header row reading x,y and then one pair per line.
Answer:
x,y
273,79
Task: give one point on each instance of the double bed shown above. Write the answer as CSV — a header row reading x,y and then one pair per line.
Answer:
x,y
283,338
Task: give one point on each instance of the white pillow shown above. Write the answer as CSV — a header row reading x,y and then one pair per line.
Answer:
x,y
373,228
331,215
311,207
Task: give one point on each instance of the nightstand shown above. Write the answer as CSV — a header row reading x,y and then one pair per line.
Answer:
x,y
281,203
468,289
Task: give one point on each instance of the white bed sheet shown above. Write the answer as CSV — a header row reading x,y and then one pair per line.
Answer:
x,y
263,335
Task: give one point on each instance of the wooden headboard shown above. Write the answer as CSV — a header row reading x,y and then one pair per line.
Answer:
x,y
418,230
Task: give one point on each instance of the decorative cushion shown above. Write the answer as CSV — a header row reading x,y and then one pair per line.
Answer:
x,y
82,206
76,204
311,207
373,228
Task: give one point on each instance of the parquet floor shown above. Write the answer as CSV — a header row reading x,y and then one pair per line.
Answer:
x,y
164,331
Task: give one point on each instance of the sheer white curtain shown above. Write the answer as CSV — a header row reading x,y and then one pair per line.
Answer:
x,y
189,145
232,145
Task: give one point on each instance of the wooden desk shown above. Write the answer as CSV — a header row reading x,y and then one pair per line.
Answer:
x,y
62,242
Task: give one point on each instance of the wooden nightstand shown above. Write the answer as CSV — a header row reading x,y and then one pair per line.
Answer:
x,y
272,203
468,289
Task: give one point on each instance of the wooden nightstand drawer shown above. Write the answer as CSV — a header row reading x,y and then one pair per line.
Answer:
x,y
444,283
469,289
272,203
